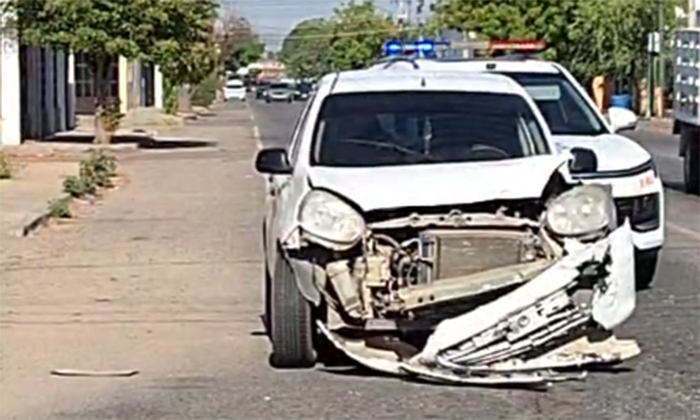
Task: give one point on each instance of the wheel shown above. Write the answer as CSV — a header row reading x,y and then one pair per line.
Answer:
x,y
291,319
645,263
691,162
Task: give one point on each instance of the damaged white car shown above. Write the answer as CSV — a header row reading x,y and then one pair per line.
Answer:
x,y
424,225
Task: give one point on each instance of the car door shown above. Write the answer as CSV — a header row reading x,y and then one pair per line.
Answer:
x,y
278,188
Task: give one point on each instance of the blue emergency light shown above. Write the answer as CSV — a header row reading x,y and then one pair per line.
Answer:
x,y
422,47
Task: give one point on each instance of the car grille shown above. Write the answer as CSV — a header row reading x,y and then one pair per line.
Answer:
x,y
642,211
457,253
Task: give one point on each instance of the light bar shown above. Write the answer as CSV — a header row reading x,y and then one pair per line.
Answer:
x,y
424,47
515,45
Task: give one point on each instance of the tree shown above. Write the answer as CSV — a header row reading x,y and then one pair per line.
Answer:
x,y
359,31
172,33
306,51
240,45
352,38
590,37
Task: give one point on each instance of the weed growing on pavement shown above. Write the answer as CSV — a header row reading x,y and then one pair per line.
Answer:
x,y
60,208
96,171
5,167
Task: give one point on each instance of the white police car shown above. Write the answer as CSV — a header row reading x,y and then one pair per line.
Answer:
x,y
423,223
575,122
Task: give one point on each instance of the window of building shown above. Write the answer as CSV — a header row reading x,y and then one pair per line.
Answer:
x,y
84,82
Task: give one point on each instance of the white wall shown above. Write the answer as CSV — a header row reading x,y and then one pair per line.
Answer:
x,y
158,88
10,91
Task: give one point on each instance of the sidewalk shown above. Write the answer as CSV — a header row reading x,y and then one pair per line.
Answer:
x,y
37,177
162,277
660,125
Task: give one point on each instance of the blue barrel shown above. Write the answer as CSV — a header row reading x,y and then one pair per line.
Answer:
x,y
621,101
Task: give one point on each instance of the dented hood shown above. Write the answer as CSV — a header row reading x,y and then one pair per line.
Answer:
x,y
614,152
387,187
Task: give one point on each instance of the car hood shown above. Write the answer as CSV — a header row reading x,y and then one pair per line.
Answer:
x,y
614,152
377,188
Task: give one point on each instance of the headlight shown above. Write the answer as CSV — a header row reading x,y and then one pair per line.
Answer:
x,y
581,211
330,220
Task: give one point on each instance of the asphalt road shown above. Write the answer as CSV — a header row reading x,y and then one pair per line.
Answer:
x,y
179,251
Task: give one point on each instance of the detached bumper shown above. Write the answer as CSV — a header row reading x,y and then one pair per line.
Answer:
x,y
551,322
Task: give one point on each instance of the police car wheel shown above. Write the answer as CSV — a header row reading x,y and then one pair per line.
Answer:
x,y
691,168
645,263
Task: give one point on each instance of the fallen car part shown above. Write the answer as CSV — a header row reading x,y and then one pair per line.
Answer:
x,y
524,336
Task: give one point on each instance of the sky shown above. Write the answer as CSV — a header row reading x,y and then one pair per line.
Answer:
x,y
273,19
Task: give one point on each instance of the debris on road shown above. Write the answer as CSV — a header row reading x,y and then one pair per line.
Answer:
x,y
95,373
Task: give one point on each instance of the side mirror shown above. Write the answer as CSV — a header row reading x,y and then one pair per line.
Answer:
x,y
273,161
622,119
584,161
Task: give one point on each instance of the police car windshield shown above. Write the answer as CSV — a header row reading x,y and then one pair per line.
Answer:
x,y
402,128
565,110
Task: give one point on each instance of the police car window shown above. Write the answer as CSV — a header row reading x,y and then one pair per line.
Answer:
x,y
403,128
565,110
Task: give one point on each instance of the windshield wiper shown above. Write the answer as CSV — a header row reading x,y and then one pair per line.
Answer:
x,y
390,146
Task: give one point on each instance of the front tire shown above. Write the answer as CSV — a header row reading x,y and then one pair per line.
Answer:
x,y
691,164
291,319
645,263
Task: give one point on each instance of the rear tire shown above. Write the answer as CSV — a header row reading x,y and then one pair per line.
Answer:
x,y
291,319
691,161
645,263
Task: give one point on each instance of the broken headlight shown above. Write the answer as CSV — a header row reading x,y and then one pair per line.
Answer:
x,y
581,211
330,221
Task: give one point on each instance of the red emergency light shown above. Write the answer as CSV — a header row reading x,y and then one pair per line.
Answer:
x,y
516,45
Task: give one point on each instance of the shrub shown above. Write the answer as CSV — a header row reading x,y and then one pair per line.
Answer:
x,y
112,116
60,208
96,171
5,167
204,93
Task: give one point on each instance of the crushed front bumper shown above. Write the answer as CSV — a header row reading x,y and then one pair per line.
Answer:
x,y
526,337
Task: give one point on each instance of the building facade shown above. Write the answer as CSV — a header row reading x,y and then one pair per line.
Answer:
x,y
134,83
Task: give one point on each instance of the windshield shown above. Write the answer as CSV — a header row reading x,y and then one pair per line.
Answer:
x,y
565,110
279,86
234,84
400,128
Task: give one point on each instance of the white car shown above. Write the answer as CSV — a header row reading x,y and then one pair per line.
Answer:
x,y
575,121
424,224
235,90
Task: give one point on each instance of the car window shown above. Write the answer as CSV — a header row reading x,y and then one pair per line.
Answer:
x,y
278,86
234,84
296,133
400,128
565,110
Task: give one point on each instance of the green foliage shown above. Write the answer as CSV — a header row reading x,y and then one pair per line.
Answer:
x,y
96,171
352,38
112,115
5,167
60,208
204,93
243,53
590,37
170,96
175,34
306,51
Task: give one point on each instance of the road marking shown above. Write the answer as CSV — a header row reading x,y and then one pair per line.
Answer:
x,y
681,229
257,137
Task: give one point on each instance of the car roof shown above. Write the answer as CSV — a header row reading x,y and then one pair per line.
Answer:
x,y
403,76
493,64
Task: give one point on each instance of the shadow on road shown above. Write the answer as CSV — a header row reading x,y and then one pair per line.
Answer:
x,y
141,141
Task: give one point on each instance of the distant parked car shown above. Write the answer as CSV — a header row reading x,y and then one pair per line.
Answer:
x,y
261,90
235,90
280,92
302,91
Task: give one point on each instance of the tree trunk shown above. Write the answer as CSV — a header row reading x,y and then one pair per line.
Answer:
x,y
99,64
184,99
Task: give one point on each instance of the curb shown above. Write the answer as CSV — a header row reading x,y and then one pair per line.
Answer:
x,y
34,222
